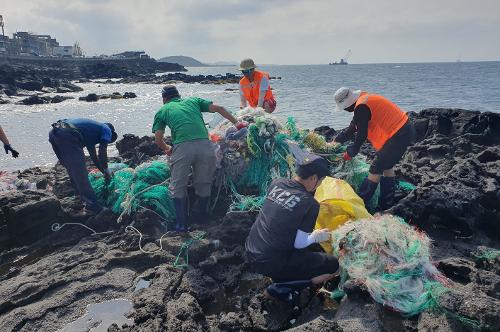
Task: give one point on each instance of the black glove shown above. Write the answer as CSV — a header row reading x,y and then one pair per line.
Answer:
x,y
8,148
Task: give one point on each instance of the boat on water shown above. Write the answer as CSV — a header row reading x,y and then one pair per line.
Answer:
x,y
343,61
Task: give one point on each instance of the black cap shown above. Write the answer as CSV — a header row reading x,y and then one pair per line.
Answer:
x,y
110,126
169,91
114,135
313,165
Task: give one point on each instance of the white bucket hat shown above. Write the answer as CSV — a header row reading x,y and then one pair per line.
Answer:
x,y
247,64
345,97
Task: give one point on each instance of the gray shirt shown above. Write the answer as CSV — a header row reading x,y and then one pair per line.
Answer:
x,y
288,207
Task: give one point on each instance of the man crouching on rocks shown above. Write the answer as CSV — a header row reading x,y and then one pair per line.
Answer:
x,y
191,149
283,229
68,137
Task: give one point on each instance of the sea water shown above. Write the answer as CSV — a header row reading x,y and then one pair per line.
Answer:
x,y
304,92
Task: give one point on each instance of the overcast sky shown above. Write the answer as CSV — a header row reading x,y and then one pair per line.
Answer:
x,y
270,31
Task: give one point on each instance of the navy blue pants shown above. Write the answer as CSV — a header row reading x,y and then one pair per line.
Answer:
x,y
67,145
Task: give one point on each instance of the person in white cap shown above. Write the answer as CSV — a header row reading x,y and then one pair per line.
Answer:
x,y
389,131
255,89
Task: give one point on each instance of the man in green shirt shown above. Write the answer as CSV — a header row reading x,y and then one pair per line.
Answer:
x,y
191,149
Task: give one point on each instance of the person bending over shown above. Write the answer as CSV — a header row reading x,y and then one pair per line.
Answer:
x,y
389,131
192,150
68,138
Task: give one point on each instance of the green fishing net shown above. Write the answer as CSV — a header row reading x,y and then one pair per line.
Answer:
x,y
392,260
146,187
267,156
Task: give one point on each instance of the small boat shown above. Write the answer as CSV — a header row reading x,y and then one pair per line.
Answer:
x,y
343,61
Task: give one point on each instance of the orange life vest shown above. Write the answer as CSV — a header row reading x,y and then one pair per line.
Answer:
x,y
386,118
251,90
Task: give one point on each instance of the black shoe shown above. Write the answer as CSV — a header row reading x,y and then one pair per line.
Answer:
x,y
181,214
387,191
366,190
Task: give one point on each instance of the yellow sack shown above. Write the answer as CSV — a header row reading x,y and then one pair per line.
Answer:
x,y
338,204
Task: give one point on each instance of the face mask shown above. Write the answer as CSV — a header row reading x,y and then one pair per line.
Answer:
x,y
350,108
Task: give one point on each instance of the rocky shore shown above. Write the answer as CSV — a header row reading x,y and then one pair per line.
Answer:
x,y
228,78
34,79
49,277
51,75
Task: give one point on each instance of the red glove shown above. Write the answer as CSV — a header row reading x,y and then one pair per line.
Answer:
x,y
346,156
241,124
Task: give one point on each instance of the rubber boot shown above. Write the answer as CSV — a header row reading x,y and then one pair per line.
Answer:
x,y
199,213
287,291
181,214
366,190
387,190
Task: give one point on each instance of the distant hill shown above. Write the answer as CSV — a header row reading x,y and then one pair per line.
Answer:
x,y
224,63
185,61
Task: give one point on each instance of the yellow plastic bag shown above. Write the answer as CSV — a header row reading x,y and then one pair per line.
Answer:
x,y
338,204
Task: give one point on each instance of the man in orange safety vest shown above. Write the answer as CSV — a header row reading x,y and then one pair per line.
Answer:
x,y
255,90
389,131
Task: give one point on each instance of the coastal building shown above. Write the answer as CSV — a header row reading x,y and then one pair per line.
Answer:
x,y
131,55
3,39
63,51
27,43
3,44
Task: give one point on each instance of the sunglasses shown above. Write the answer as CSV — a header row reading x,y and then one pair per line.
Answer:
x,y
246,72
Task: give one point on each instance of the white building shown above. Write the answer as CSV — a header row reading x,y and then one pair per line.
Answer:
x,y
63,51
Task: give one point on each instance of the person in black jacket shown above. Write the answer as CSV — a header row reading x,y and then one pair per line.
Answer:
x,y
277,242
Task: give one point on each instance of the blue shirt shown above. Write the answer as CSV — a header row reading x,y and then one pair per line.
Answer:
x,y
92,132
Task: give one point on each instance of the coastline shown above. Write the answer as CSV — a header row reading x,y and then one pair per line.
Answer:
x,y
454,164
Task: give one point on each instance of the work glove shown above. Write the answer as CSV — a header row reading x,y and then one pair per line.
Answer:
x,y
320,235
346,156
241,124
8,148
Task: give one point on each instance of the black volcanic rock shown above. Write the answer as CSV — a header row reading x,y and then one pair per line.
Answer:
x,y
49,278
455,164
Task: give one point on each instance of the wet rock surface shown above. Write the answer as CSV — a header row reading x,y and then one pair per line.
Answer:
x,y
455,164
115,95
48,75
47,281
180,77
169,78
36,100
135,150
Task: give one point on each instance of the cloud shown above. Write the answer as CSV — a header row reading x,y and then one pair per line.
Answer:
x,y
272,31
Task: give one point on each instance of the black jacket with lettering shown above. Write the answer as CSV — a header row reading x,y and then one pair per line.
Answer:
x,y
288,207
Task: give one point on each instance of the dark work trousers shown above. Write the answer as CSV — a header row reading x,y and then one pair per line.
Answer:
x,y
297,265
393,150
67,145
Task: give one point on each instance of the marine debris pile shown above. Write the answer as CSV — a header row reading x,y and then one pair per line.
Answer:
x,y
392,260
248,160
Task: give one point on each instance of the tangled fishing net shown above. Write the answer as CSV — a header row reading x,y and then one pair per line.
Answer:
x,y
252,157
392,260
248,160
144,187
